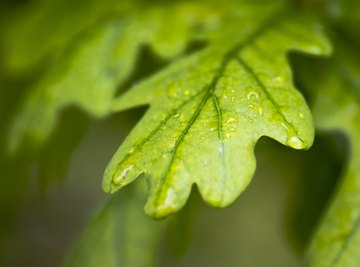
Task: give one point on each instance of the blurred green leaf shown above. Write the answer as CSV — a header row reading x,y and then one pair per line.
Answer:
x,y
53,158
120,235
334,87
311,184
180,229
209,109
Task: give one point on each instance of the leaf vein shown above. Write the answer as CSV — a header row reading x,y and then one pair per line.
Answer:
x,y
348,240
263,88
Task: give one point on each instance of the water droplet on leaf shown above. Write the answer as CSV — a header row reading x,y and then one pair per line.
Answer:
x,y
120,178
285,125
295,142
230,120
252,95
278,80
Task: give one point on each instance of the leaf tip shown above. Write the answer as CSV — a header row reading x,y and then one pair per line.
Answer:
x,y
117,177
296,142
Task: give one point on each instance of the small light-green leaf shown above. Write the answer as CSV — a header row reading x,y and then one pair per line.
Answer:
x,y
208,110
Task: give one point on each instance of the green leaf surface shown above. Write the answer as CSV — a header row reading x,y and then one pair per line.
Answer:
x,y
120,235
101,58
208,110
335,90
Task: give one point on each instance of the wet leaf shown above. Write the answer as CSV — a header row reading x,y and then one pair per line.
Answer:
x,y
208,110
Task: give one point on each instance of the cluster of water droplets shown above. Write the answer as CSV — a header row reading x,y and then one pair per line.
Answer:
x,y
176,90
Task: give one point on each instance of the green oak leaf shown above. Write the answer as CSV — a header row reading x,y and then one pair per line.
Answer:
x,y
120,235
335,90
102,58
208,110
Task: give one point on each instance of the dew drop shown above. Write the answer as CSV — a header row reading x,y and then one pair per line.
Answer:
x,y
173,91
230,120
120,178
212,129
225,97
252,95
301,115
295,142
177,115
278,80
170,197
260,111
285,126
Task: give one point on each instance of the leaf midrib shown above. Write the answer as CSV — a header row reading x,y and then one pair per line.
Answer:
x,y
210,92
230,55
